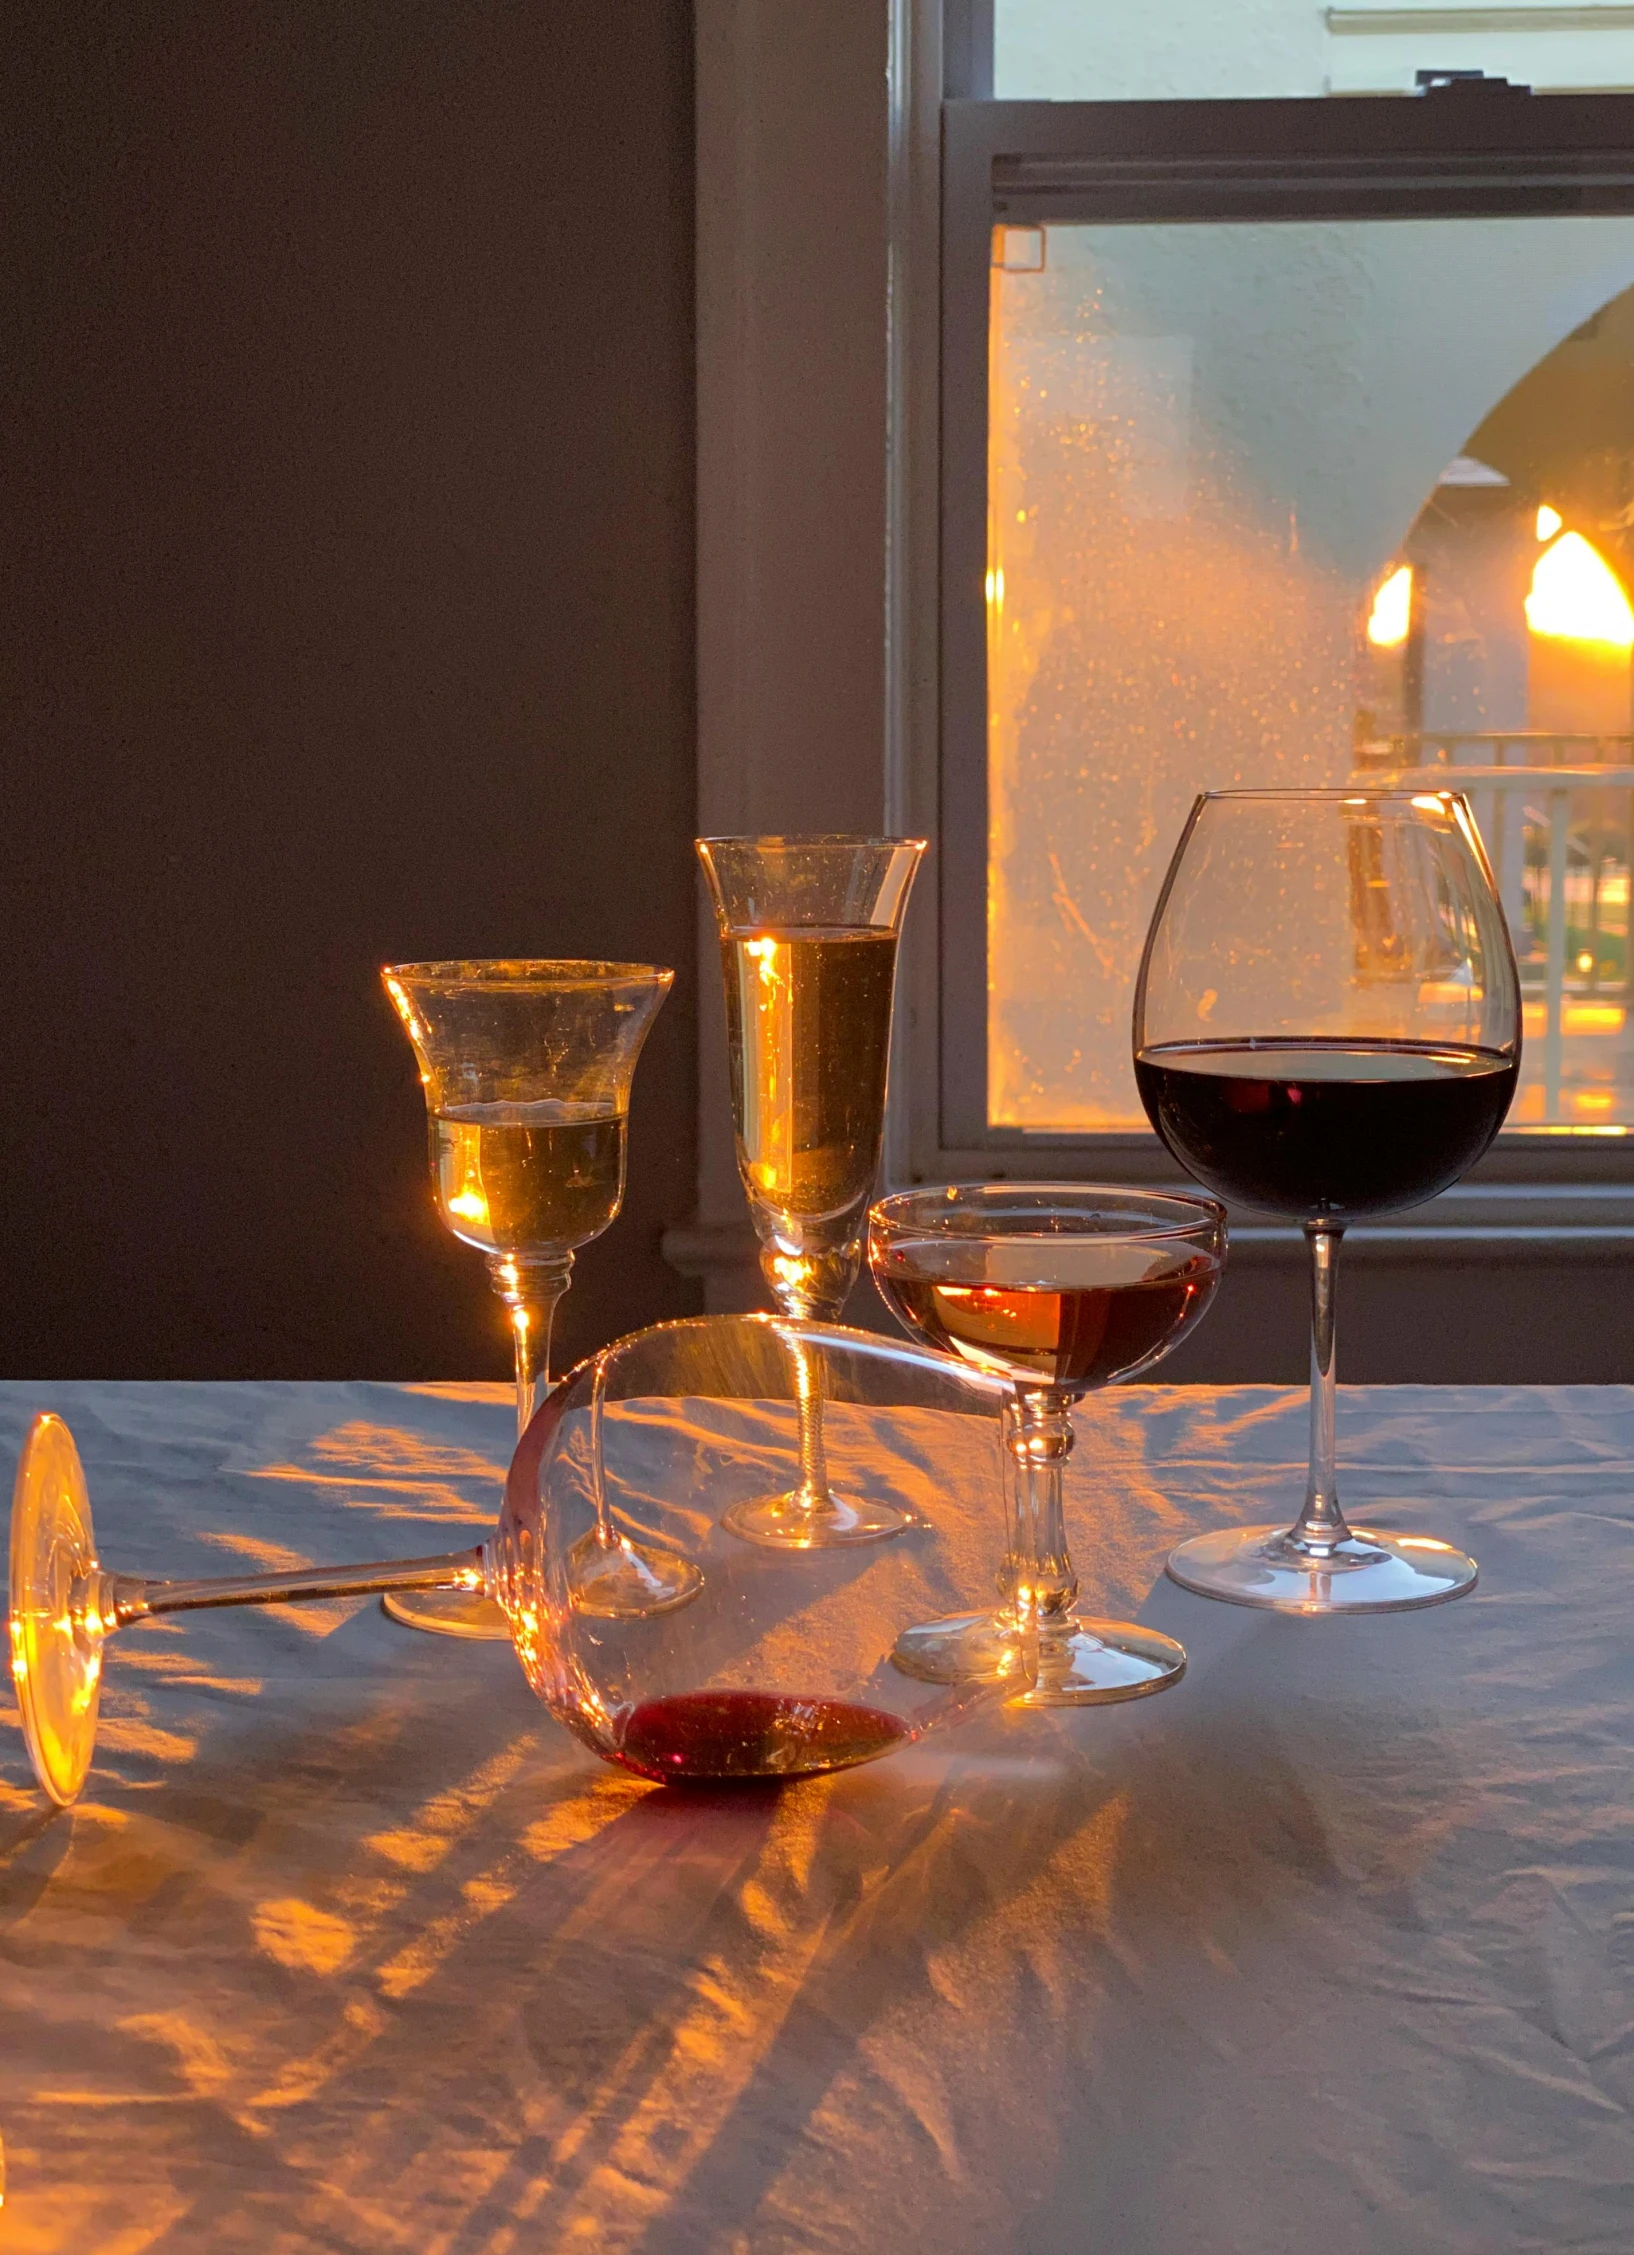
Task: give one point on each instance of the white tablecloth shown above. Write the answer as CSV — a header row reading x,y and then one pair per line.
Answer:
x,y
348,1946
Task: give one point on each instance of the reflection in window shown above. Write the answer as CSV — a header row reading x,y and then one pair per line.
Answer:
x,y
1292,504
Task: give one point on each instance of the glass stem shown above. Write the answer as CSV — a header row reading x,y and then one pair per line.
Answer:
x,y
808,1392
530,1290
114,1600
1320,1527
1038,1434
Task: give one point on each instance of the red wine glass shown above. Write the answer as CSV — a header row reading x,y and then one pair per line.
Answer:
x,y
1054,1288
1327,1027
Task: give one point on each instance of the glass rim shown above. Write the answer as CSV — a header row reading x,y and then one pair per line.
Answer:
x,y
1339,794
891,1213
524,974
796,838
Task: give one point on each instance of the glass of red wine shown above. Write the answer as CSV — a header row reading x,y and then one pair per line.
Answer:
x,y
1054,1289
1327,1027
765,1664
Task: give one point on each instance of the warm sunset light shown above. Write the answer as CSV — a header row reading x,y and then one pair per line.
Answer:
x,y
1392,608
1577,597
1549,522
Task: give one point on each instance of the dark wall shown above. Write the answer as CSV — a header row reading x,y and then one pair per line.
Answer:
x,y
348,473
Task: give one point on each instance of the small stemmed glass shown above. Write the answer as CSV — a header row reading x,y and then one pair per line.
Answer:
x,y
808,930
527,1069
1058,1288
1328,1027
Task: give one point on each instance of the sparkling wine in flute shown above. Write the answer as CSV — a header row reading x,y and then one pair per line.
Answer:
x,y
808,1017
1307,1128
526,1178
808,931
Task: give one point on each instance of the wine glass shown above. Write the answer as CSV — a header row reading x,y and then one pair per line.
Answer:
x,y
778,1668
808,931
1055,1288
1327,1026
527,1070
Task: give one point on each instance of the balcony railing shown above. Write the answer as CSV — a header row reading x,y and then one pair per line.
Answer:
x,y
1547,806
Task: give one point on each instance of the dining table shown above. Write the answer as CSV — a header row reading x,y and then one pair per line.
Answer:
x,y
349,1945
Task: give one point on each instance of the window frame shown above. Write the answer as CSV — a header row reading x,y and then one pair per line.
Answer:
x,y
1449,154
790,107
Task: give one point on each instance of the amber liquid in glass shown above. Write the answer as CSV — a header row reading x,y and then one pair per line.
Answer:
x,y
809,1024
1103,1311
517,1178
699,1737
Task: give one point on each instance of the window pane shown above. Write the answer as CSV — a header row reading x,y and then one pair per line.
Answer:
x,y
1299,503
1178,50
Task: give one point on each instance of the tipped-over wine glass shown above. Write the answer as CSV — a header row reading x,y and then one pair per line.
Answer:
x,y
778,1668
808,931
1056,1289
527,1070
1328,1027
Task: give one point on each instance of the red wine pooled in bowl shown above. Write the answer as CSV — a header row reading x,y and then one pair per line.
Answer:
x,y
724,1737
1340,1128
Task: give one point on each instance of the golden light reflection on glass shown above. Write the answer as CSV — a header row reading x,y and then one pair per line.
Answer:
x,y
1549,522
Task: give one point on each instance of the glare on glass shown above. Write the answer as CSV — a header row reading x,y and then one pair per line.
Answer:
x,y
777,1665
808,934
1327,1027
1053,1289
527,1069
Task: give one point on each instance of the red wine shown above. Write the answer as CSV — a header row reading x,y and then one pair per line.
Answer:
x,y
1066,1311
1345,1128
703,1737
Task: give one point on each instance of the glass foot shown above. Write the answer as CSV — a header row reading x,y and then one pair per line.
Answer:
x,y
620,1580
56,1645
788,1522
1080,1663
449,1612
1371,1573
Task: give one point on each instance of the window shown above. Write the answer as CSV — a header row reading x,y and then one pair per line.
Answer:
x,y
1281,439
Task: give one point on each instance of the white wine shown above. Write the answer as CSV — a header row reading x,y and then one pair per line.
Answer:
x,y
527,1178
809,1025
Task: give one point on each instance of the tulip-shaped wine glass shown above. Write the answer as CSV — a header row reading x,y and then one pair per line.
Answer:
x,y
1327,1027
1057,1288
527,1069
778,1667
808,931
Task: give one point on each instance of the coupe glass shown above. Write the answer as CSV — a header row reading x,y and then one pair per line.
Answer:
x,y
1327,1027
808,932
1055,1289
527,1070
777,1668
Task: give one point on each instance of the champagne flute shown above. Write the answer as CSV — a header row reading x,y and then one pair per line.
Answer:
x,y
527,1069
1058,1288
808,931
1327,1026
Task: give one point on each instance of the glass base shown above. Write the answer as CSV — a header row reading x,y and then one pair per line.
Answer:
x,y
621,1580
56,1661
449,1612
1371,1573
788,1522
1080,1663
